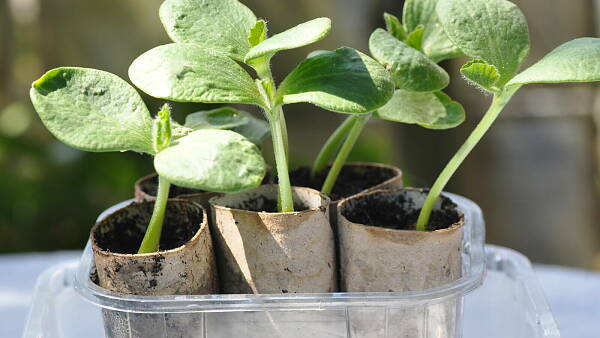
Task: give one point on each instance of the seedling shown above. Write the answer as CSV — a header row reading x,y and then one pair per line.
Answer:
x,y
97,111
409,52
494,33
212,38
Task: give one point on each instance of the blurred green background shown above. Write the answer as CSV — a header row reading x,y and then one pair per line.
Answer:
x,y
534,175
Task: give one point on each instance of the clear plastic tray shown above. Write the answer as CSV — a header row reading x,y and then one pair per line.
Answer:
x,y
509,304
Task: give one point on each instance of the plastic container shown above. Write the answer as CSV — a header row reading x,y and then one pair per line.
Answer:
x,y
508,304
68,305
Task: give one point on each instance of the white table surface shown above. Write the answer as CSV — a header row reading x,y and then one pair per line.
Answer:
x,y
573,295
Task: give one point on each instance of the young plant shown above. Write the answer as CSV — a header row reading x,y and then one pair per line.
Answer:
x,y
97,111
495,35
212,38
409,52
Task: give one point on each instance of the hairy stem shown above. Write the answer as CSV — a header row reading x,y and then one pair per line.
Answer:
x,y
340,160
151,240
284,133
332,145
499,102
286,202
279,135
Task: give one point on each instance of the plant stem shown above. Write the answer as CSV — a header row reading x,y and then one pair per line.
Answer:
x,y
340,160
151,240
284,133
332,145
279,135
499,102
286,202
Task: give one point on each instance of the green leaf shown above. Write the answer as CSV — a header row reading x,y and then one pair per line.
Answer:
x,y
480,73
301,35
410,68
258,33
394,27
429,110
255,130
436,44
344,81
220,26
92,110
494,31
186,72
243,123
574,61
212,160
178,131
415,38
317,53
220,118
161,129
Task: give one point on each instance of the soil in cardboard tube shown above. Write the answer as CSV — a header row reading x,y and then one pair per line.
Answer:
x,y
123,231
264,204
394,213
150,187
352,179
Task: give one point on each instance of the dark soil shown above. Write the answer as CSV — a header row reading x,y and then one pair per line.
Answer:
x,y
123,231
264,204
150,187
352,179
397,211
